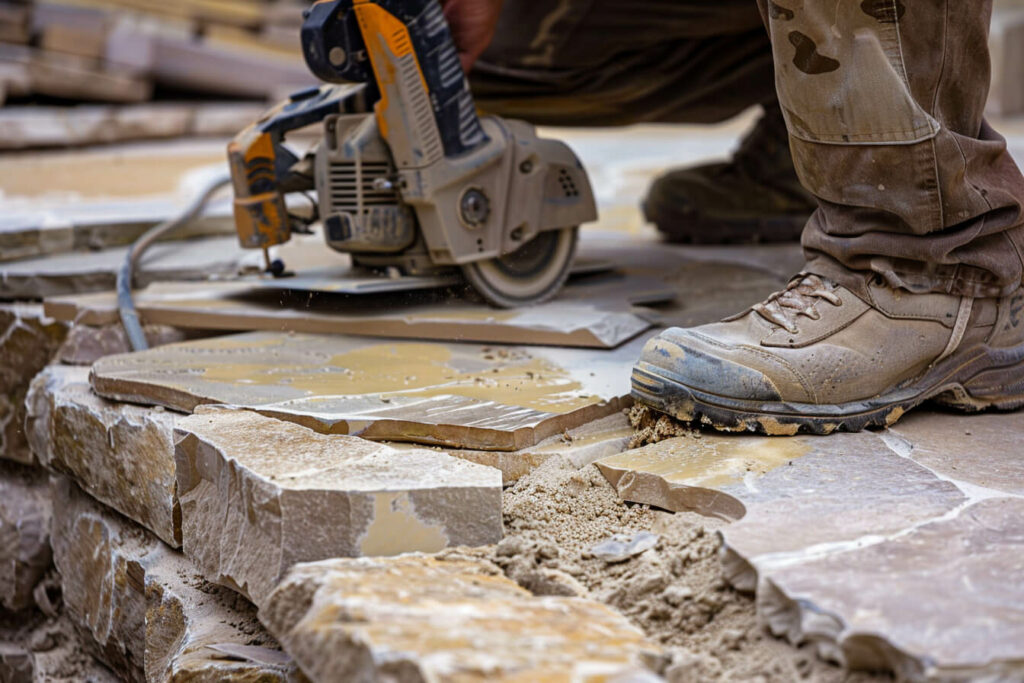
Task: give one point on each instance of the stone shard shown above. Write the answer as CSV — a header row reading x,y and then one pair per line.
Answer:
x,y
259,495
28,341
942,602
151,618
458,395
419,618
24,534
787,493
982,450
122,455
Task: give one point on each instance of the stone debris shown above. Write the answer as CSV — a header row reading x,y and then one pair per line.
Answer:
x,y
424,618
944,601
122,455
459,395
28,341
259,495
151,617
621,547
24,534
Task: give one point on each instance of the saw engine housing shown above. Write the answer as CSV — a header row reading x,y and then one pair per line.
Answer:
x,y
407,175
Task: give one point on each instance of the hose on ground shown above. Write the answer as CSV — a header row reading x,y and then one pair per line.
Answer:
x,y
126,274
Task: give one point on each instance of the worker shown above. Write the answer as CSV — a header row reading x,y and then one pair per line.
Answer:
x,y
915,247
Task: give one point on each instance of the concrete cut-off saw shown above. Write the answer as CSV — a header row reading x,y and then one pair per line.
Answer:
x,y
408,178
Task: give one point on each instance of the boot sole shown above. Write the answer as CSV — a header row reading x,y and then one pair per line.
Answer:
x,y
696,229
979,379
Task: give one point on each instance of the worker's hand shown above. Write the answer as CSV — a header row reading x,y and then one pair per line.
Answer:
x,y
473,23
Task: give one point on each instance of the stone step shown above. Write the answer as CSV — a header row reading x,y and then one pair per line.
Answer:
x,y
259,495
152,618
421,618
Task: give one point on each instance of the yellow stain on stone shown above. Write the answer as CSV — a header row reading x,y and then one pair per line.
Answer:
x,y
413,369
710,461
396,529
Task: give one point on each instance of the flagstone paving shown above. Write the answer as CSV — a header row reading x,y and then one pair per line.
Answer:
x,y
899,550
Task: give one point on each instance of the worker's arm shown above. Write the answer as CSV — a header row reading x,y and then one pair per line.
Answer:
x,y
473,23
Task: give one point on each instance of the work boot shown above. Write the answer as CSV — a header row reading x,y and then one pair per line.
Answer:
x,y
817,357
755,197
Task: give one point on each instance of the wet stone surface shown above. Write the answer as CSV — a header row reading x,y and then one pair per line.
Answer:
x,y
259,495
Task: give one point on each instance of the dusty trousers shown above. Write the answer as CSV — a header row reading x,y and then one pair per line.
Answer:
x,y
884,103
607,62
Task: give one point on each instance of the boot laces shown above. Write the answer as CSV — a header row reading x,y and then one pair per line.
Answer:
x,y
800,297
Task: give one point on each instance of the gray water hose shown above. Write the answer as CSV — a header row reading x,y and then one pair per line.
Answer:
x,y
126,274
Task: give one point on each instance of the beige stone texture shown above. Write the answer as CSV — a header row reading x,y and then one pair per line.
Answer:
x,y
418,618
461,395
28,341
259,495
151,618
120,454
980,450
943,602
24,534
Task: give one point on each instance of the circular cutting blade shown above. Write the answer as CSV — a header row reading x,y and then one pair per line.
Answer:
x,y
531,274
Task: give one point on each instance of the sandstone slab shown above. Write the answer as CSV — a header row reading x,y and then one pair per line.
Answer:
x,y
788,494
259,495
122,455
25,512
28,341
459,395
944,601
424,618
86,344
973,450
151,618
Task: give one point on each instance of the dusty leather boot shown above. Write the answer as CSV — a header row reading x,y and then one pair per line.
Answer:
x,y
816,357
754,197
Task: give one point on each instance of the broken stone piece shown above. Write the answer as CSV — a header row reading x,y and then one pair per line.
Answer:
x,y
423,618
259,495
787,493
150,616
621,547
28,341
942,602
457,395
24,534
122,455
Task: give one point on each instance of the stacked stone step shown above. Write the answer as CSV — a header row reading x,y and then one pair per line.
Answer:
x,y
192,547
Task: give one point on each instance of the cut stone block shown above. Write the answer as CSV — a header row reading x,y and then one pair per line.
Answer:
x,y
980,450
788,493
122,455
944,601
259,495
417,618
460,395
24,534
28,341
150,616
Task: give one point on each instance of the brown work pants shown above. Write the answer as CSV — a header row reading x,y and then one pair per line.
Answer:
x,y
883,99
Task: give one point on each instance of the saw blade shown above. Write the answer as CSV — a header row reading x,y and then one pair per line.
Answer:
x,y
531,274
